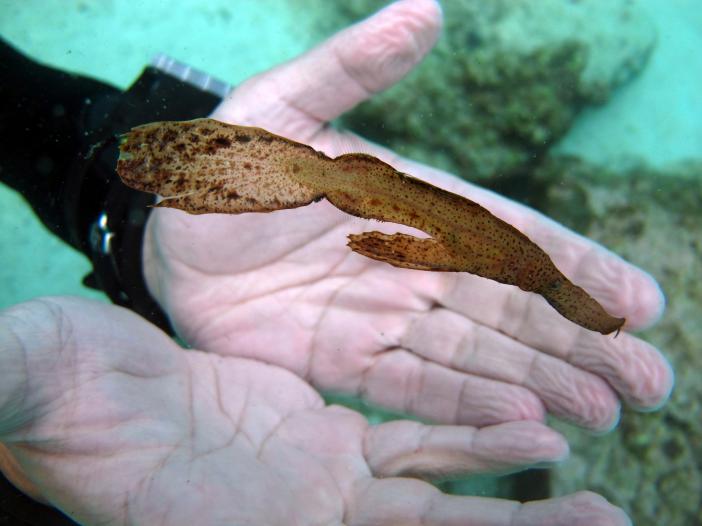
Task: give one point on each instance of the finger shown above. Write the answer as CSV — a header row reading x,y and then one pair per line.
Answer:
x,y
298,97
405,448
633,367
579,509
568,392
412,502
431,391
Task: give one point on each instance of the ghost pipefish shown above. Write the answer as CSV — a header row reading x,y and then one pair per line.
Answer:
x,y
206,166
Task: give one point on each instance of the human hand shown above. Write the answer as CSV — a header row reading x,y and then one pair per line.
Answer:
x,y
283,287
106,418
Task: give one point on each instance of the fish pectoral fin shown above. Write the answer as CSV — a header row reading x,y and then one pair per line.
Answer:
x,y
403,250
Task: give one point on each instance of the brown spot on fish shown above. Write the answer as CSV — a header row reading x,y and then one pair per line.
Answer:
x,y
222,142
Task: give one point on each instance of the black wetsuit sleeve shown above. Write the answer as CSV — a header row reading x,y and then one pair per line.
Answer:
x,y
59,147
45,126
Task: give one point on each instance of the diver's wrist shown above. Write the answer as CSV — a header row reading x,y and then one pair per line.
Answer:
x,y
168,90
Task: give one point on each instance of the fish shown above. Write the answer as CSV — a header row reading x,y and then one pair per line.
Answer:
x,y
207,166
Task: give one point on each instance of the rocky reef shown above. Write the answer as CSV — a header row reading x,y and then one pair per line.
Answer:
x,y
509,85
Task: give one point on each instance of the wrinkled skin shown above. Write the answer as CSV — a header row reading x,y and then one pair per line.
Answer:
x,y
115,424
106,418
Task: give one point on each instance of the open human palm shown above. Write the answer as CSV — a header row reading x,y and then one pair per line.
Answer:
x,y
284,288
108,419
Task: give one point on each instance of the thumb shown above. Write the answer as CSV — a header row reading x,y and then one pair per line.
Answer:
x,y
297,98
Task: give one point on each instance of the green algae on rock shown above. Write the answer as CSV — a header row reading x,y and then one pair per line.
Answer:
x,y
504,82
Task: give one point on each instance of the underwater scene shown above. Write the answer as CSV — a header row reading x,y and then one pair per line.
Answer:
x,y
409,262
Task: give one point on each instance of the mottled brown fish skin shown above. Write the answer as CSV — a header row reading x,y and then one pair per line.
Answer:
x,y
205,166
573,303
